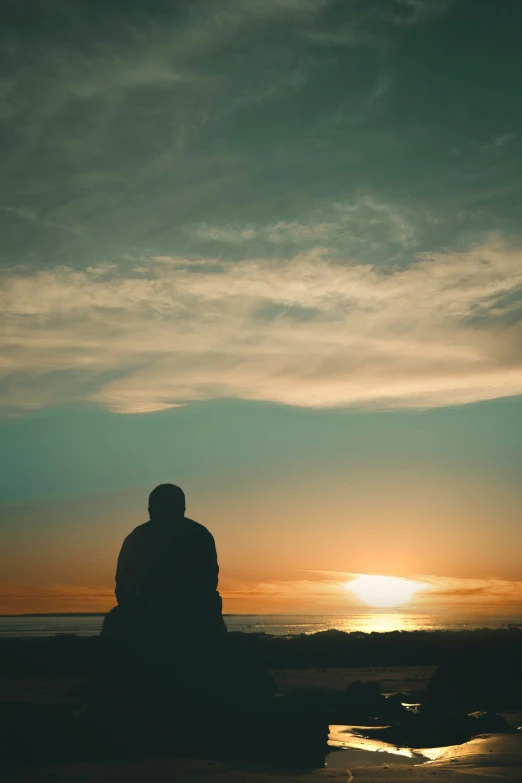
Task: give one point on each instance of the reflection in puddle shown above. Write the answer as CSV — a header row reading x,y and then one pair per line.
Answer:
x,y
413,707
352,748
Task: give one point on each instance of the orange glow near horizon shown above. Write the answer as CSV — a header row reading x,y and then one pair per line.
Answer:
x,y
305,544
320,593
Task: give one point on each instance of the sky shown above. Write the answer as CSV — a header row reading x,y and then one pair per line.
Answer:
x,y
271,251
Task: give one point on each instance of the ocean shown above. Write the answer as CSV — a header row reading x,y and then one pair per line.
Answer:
x,y
276,624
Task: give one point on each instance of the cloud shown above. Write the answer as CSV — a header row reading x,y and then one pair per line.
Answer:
x,y
308,331
324,591
474,591
324,594
17,598
500,141
32,216
365,224
329,591
371,24
138,123
287,588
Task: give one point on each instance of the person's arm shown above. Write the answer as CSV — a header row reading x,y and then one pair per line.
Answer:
x,y
127,573
214,561
211,567
213,574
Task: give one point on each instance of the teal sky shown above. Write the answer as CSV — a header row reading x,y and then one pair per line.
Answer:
x,y
269,250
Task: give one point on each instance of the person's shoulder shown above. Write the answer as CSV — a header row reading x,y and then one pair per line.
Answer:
x,y
199,529
138,532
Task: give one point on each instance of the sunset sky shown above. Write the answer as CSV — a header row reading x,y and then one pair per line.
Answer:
x,y
271,251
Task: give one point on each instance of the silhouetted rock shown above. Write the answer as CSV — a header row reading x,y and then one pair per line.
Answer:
x,y
77,655
32,732
490,722
392,710
187,698
481,679
360,701
431,728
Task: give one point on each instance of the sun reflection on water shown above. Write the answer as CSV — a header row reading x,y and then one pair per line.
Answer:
x,y
379,623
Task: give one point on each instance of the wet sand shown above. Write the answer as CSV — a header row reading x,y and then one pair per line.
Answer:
x,y
393,679
495,757
47,672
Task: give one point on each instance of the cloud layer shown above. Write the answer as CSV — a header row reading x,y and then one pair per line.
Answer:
x,y
17,598
308,331
153,129
330,592
189,212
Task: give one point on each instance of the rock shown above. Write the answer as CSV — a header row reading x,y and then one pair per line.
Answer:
x,y
392,710
488,679
490,722
360,701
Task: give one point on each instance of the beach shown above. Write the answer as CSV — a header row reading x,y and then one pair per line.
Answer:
x,y
484,759
488,758
40,681
261,391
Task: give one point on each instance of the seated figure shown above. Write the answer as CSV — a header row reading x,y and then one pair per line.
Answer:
x,y
167,575
168,665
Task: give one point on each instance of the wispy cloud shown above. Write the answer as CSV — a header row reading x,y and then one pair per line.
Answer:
x,y
32,216
500,141
329,591
491,590
138,125
323,591
370,23
365,224
18,598
445,330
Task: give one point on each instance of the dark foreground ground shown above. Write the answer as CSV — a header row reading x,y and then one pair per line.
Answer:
x,y
69,654
326,678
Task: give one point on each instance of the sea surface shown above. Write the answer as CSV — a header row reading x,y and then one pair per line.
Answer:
x,y
276,624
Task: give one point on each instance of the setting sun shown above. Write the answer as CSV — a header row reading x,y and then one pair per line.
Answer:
x,y
383,590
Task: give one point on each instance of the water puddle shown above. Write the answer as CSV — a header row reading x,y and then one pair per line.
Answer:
x,y
350,748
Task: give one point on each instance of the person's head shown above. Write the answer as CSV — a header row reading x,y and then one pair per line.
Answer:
x,y
166,501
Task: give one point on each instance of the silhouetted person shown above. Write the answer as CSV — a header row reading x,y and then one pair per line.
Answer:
x,y
167,568
168,664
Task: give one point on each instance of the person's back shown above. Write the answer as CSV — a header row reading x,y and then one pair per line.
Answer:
x,y
166,656
169,565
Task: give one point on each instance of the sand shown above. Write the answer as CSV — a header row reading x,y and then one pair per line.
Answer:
x,y
393,679
56,690
495,757
486,758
